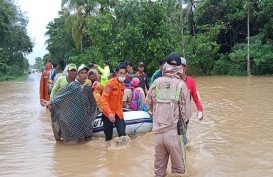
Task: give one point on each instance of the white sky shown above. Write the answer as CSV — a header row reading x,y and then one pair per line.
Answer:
x,y
39,13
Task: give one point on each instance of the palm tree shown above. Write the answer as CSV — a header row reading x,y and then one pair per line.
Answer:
x,y
186,7
77,21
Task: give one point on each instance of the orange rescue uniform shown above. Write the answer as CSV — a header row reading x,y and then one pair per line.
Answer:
x,y
44,82
112,98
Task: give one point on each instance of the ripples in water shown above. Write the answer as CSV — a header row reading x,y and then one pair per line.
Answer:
x,y
234,139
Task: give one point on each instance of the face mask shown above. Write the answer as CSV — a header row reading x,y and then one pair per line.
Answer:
x,y
121,79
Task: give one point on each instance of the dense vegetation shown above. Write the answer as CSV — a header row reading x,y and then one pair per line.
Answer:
x,y
211,34
220,37
14,43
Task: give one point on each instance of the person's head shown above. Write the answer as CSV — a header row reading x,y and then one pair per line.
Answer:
x,y
121,72
106,63
135,82
91,76
141,66
161,63
173,66
82,73
72,71
174,59
48,66
184,64
129,66
90,65
55,64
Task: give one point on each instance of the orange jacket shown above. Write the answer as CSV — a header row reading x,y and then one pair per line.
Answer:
x,y
44,83
112,98
98,93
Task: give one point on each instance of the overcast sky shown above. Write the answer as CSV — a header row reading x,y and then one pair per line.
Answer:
x,y
39,13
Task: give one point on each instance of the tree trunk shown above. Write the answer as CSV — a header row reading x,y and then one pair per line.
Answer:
x,y
248,35
182,28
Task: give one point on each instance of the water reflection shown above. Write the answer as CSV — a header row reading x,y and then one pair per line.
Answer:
x,y
234,139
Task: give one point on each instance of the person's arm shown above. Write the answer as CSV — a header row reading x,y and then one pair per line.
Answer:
x,y
101,70
55,88
185,103
105,105
98,99
150,98
196,97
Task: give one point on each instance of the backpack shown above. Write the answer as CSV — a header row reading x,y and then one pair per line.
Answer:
x,y
136,100
167,96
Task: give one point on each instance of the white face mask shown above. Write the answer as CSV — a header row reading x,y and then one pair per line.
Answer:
x,y
121,79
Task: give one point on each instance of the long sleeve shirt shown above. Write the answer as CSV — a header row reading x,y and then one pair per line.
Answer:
x,y
194,92
59,84
105,73
112,98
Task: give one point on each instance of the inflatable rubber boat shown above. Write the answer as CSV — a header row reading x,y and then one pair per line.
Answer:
x,y
136,122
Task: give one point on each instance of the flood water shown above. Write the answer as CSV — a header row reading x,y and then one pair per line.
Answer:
x,y
234,139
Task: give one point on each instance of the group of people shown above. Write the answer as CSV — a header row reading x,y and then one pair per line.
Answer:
x,y
77,96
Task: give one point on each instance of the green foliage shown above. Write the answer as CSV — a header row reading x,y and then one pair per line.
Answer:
x,y
14,43
137,31
60,43
215,34
202,50
262,55
38,63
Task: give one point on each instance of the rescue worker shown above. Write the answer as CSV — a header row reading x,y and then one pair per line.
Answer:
x,y
165,97
112,104
105,72
44,94
97,91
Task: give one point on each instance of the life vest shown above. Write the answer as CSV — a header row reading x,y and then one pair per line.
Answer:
x,y
167,96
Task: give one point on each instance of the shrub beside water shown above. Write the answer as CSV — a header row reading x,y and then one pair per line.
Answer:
x,y
13,74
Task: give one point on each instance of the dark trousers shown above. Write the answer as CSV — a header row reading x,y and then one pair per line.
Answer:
x,y
108,127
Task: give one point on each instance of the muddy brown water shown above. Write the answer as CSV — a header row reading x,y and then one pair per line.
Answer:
x,y
234,139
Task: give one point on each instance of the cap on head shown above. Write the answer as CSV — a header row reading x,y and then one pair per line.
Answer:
x,y
174,59
135,81
71,67
81,67
141,64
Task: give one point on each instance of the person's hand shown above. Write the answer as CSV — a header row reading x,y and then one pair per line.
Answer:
x,y
200,115
111,117
49,108
44,103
